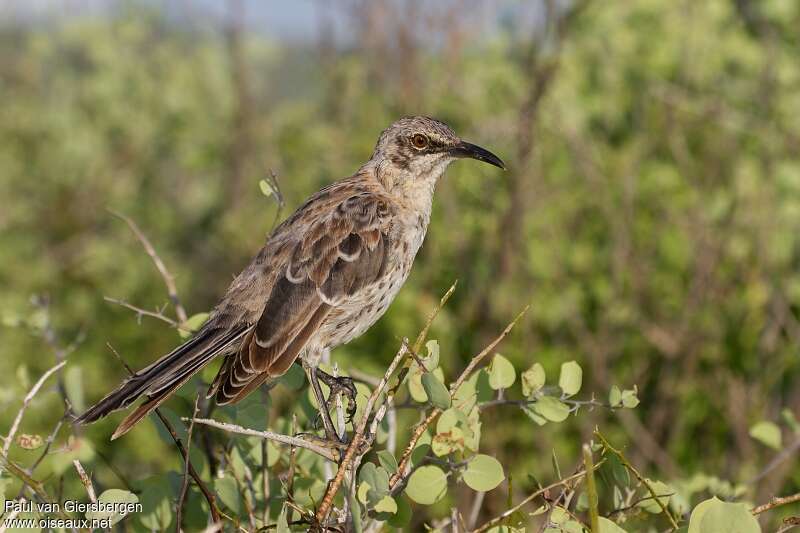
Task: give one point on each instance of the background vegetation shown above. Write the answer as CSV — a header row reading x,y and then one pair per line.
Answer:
x,y
650,215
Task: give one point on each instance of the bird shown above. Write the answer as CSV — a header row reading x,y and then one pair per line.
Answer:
x,y
325,275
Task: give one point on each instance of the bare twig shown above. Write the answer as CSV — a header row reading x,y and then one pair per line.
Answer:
x,y
85,480
25,403
207,494
358,439
498,519
327,453
169,280
591,488
402,470
140,312
185,483
776,502
638,475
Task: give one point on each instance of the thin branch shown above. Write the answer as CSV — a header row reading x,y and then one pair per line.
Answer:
x,y
402,468
776,502
185,483
85,480
327,453
639,476
25,403
498,519
358,439
144,312
591,488
169,280
207,494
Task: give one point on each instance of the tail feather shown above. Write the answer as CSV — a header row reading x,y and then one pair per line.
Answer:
x,y
160,379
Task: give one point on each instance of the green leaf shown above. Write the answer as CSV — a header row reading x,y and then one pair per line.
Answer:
x,y
767,433
386,505
533,415
415,387
378,479
387,461
615,396
402,517
571,378
427,485
283,522
29,442
363,492
483,473
630,398
432,361
501,373
790,419
664,493
715,516
551,409
533,380
228,492
157,507
436,391
607,526
73,383
122,498
448,442
266,188
192,324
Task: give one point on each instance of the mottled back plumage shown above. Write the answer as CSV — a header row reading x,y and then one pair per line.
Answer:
x,y
325,275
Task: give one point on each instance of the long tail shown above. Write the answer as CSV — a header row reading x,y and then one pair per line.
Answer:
x,y
160,379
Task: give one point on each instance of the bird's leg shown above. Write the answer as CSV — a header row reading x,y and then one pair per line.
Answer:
x,y
323,405
344,385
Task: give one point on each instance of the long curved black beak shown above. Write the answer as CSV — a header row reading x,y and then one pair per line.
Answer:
x,y
465,149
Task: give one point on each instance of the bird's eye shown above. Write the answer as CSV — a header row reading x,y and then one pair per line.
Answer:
x,y
419,141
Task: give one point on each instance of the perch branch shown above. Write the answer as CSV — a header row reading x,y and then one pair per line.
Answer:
x,y
185,483
85,480
776,502
327,453
358,439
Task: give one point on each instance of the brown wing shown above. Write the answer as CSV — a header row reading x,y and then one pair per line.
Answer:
x,y
342,251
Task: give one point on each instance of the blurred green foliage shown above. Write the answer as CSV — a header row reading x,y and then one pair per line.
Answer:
x,y
650,215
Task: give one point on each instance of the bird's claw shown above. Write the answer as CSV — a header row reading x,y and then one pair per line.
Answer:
x,y
344,385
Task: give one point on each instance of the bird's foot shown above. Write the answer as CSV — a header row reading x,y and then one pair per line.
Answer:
x,y
344,385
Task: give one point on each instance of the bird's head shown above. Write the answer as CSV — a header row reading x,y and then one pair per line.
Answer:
x,y
421,148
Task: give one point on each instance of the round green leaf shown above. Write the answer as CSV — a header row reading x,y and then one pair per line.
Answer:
x,y
533,380
402,517
715,516
435,390
767,433
501,373
615,396
483,473
387,460
427,485
156,499
571,378
551,409
116,496
386,505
